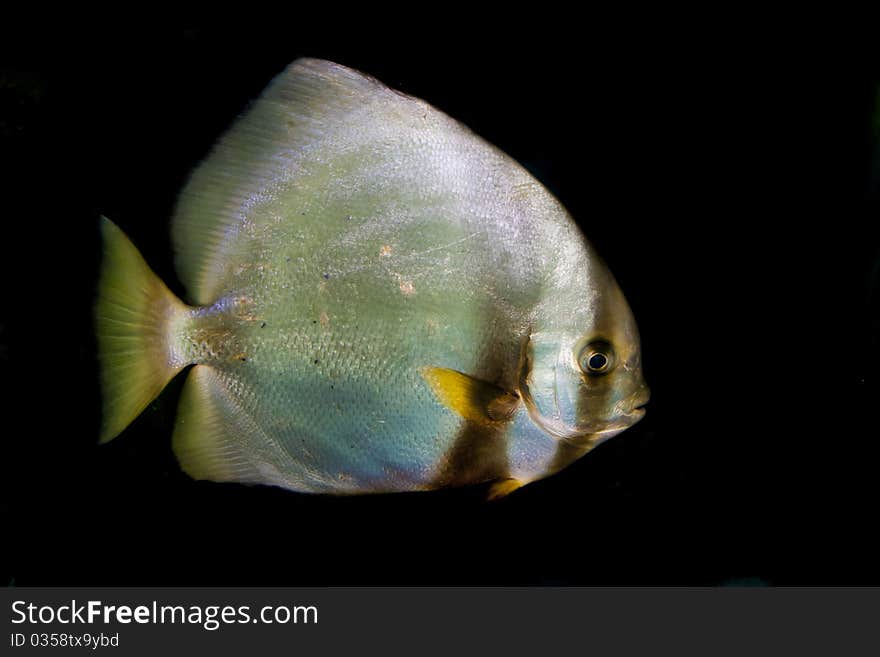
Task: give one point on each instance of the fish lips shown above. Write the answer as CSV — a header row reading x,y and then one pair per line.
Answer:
x,y
619,425
588,434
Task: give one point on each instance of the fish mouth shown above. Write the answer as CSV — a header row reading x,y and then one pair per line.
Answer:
x,y
626,420
617,426
637,413
613,428
584,435
630,411
590,436
636,409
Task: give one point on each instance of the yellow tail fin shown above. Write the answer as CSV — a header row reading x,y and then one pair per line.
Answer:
x,y
134,319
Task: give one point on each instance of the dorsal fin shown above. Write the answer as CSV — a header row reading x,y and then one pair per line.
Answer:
x,y
311,122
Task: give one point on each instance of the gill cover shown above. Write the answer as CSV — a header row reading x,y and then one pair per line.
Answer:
x,y
549,383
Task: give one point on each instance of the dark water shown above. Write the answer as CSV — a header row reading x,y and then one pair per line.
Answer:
x,y
725,180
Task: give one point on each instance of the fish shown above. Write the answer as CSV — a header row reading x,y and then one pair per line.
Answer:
x,y
377,301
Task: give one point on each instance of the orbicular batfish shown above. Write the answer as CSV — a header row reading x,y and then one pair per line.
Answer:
x,y
379,300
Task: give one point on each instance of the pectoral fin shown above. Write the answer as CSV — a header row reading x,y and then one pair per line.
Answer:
x,y
473,399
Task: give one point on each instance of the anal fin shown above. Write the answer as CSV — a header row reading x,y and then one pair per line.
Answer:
x,y
211,427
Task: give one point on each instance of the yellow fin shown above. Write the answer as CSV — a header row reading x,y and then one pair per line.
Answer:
x,y
473,399
503,488
132,314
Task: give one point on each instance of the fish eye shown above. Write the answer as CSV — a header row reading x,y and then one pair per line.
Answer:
x,y
597,358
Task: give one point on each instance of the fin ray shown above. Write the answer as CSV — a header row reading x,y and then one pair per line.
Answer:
x,y
310,103
132,315
215,438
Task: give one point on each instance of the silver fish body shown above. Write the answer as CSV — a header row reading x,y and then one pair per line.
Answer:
x,y
382,301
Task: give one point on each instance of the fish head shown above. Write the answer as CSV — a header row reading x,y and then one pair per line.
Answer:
x,y
581,372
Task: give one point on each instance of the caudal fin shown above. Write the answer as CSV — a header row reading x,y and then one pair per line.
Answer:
x,y
134,318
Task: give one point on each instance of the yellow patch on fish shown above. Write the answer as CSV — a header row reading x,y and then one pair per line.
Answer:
x,y
503,488
473,399
385,251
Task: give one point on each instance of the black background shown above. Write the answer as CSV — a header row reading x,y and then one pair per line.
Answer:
x,y
724,174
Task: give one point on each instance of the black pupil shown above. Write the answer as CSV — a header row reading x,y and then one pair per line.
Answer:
x,y
597,361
